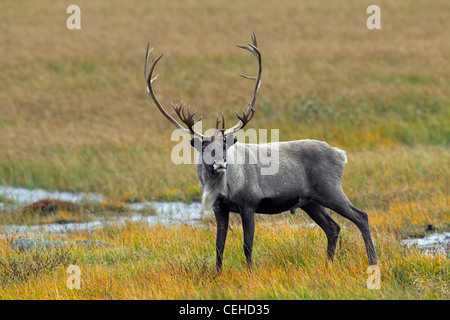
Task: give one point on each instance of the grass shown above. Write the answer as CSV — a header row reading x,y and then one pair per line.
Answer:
x,y
177,263
84,121
21,268
74,115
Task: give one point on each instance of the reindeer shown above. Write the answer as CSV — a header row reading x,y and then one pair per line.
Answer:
x,y
309,175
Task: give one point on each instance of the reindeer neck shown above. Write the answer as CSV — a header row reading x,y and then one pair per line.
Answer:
x,y
214,186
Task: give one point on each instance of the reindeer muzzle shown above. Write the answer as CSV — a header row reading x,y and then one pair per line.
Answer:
x,y
220,166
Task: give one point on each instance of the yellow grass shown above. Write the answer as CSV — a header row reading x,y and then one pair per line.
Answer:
x,y
177,263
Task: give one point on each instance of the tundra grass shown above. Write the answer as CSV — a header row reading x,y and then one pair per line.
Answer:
x,y
75,115
178,263
403,189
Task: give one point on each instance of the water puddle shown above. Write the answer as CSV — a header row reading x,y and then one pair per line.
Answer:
x,y
431,244
164,212
23,195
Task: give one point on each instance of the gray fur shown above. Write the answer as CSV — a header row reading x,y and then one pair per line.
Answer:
x,y
309,177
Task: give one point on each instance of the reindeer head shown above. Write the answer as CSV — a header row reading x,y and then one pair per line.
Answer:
x,y
212,148
214,152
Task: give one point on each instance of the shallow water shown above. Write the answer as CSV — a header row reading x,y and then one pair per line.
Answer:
x,y
23,195
432,243
171,213
164,216
165,213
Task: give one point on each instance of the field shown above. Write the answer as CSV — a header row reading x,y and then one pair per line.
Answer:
x,y
177,263
75,116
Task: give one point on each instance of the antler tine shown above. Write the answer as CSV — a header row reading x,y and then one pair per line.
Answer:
x,y
248,114
189,119
246,117
217,122
255,51
247,77
223,124
148,76
254,39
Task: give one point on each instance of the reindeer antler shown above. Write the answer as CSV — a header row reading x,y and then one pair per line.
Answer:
x,y
249,113
188,119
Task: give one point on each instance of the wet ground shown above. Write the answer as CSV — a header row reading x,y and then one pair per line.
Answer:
x,y
164,213
433,243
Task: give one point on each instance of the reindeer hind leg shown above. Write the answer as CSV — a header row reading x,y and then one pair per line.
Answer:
x,y
320,216
337,201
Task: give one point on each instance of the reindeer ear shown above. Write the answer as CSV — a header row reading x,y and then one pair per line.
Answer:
x,y
197,144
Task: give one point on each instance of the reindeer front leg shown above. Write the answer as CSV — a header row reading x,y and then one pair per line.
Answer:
x,y
222,219
248,224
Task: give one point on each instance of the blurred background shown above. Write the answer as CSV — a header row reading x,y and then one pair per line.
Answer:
x,y
75,114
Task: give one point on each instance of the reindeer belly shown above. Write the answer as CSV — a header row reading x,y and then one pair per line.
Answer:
x,y
278,204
